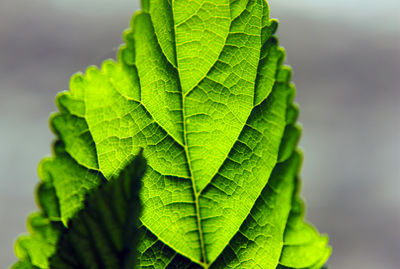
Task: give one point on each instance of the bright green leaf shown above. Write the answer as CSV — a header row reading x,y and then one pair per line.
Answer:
x,y
201,87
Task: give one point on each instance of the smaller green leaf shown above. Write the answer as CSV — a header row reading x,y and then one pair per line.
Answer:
x,y
104,233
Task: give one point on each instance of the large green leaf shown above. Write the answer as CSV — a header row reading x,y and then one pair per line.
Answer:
x,y
200,86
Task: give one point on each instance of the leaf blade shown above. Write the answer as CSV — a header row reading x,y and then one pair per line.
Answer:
x,y
213,136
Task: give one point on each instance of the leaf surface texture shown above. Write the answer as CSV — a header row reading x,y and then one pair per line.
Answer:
x,y
201,87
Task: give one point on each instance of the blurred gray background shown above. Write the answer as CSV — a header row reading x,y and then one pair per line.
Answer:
x,y
345,55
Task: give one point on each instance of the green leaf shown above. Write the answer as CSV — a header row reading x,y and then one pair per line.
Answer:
x,y
104,233
201,87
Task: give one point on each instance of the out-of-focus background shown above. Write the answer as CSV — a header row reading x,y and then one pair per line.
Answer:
x,y
346,60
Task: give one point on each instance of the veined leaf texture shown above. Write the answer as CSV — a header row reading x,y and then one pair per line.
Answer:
x,y
201,87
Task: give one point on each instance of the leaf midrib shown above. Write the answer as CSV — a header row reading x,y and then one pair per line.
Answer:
x,y
195,193
203,261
